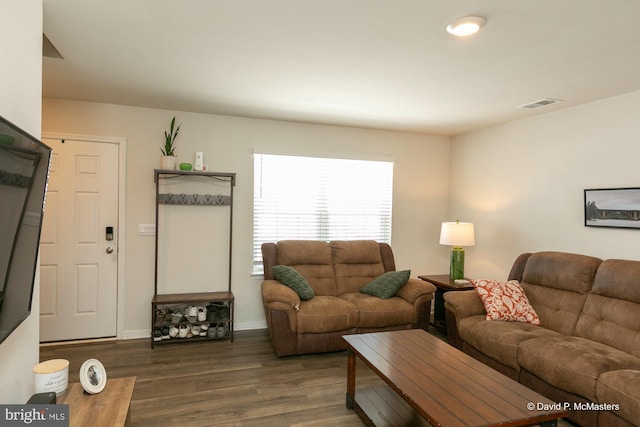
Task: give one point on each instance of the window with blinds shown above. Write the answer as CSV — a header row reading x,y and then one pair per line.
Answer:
x,y
317,198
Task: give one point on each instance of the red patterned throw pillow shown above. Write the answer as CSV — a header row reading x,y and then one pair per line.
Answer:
x,y
505,301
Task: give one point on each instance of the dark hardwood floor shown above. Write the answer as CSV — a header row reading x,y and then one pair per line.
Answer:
x,y
218,383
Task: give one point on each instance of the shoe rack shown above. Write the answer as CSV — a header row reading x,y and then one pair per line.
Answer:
x,y
200,312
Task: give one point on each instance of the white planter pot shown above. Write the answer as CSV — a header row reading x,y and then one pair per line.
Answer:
x,y
168,162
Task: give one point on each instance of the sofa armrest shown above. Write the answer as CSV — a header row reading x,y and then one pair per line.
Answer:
x,y
464,303
277,296
414,289
458,305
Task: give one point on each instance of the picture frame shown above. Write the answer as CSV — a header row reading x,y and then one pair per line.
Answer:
x,y
612,207
93,376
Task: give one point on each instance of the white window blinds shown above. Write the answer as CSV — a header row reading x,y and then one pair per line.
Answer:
x,y
316,198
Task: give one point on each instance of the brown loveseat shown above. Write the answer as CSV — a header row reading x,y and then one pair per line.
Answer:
x,y
336,271
585,354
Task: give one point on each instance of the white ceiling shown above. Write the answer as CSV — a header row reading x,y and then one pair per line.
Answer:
x,y
386,64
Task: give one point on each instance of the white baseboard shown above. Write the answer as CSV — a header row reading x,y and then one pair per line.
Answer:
x,y
135,334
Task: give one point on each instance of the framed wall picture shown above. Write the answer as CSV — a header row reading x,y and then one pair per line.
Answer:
x,y
612,207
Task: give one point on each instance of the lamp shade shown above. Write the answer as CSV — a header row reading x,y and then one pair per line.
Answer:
x,y
457,234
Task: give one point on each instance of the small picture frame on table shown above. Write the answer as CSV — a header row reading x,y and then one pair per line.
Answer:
x,y
93,376
612,207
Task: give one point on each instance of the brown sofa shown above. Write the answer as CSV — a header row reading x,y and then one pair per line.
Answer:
x,y
336,271
585,354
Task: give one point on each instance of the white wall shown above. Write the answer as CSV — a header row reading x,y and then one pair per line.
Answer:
x,y
20,103
522,183
421,182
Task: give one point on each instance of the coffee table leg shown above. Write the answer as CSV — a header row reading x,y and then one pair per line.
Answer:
x,y
351,378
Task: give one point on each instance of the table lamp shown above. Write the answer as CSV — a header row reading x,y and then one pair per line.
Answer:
x,y
457,234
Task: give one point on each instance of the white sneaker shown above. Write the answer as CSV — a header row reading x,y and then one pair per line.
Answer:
x,y
173,331
193,311
202,314
195,330
183,330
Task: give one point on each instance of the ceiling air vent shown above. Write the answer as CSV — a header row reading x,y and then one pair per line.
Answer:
x,y
540,103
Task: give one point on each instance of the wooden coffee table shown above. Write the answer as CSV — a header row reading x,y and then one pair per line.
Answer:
x,y
429,382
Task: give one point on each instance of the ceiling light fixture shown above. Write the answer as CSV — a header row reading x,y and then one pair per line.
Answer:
x,y
466,26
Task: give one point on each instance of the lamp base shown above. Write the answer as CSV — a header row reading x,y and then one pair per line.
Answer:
x,y
456,270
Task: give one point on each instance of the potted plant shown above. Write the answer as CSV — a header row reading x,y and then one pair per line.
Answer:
x,y
168,159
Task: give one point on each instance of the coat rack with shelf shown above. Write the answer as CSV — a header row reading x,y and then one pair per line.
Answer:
x,y
173,313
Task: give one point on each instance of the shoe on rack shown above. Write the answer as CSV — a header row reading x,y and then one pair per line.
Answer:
x,y
211,332
213,313
193,311
202,314
165,333
195,330
221,330
176,317
183,330
173,331
157,334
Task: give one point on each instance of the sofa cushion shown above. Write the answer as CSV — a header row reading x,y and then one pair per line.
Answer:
x,y
572,363
325,314
290,277
623,388
374,312
387,285
505,301
312,259
499,340
611,314
556,284
356,263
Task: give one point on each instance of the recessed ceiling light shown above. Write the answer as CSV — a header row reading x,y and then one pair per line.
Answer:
x,y
466,26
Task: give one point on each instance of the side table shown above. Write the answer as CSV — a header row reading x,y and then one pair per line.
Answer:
x,y
110,407
443,283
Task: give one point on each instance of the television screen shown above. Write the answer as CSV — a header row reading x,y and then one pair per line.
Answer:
x,y
24,171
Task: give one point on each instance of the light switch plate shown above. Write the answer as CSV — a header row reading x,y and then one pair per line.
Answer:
x,y
146,229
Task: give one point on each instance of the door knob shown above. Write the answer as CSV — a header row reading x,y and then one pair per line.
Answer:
x,y
109,250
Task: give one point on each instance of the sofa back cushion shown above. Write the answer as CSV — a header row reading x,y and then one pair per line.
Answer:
x,y
611,314
557,284
356,263
312,259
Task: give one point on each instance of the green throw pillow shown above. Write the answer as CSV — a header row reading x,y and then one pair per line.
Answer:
x,y
387,285
290,277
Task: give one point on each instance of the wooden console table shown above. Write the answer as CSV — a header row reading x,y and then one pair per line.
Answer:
x,y
108,408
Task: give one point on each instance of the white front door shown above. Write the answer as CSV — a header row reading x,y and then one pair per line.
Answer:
x,y
78,262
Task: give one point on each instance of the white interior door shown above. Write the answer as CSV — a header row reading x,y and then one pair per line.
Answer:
x,y
78,262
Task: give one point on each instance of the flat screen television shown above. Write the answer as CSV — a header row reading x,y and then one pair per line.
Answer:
x,y
24,172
